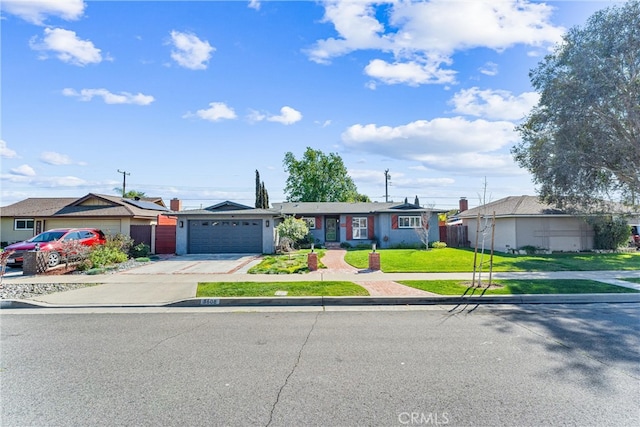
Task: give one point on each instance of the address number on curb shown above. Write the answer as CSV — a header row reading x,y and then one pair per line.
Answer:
x,y
210,301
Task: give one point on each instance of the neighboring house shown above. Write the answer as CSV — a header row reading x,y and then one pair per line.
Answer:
x,y
230,227
525,221
111,214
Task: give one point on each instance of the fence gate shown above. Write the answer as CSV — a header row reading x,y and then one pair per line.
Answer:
x,y
456,236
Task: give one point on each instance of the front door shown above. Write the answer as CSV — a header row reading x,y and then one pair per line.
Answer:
x,y
331,229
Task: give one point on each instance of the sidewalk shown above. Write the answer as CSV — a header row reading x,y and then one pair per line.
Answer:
x,y
129,289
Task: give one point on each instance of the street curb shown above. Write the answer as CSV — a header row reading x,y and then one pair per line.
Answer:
x,y
351,301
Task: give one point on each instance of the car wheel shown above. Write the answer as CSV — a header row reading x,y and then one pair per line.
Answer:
x,y
54,259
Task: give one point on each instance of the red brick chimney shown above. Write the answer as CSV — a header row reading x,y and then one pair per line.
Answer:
x,y
175,204
464,204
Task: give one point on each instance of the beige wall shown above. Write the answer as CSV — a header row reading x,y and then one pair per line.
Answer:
x,y
9,235
564,234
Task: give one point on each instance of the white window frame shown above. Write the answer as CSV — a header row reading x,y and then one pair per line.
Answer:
x,y
412,221
360,228
26,224
311,222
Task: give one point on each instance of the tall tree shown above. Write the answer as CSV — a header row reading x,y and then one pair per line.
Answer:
x,y
582,141
262,197
318,177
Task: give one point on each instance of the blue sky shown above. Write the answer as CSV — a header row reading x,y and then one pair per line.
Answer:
x,y
191,97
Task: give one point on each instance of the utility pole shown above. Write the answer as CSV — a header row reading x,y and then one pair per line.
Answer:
x,y
386,185
124,181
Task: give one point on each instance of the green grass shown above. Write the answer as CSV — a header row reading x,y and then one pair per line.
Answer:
x,y
631,279
462,260
517,287
296,262
297,289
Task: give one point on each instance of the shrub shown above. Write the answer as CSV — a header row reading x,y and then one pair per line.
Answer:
x,y
140,250
106,255
529,249
610,233
120,242
438,245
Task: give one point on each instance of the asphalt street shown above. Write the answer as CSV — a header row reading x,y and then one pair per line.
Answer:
x,y
466,365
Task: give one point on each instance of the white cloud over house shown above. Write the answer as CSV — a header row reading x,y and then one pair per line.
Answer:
x,y
440,144
421,38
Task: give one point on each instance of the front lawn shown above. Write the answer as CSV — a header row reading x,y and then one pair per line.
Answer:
x,y
461,260
516,287
296,262
293,289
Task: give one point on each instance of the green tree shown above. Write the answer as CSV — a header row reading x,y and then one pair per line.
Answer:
x,y
318,177
291,231
582,141
131,194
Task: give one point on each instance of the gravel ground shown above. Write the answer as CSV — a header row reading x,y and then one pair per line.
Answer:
x,y
30,290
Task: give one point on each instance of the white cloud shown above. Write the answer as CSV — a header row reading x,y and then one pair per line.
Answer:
x,y
108,97
67,47
441,144
287,116
36,11
423,36
7,152
412,73
23,170
494,104
189,51
256,116
489,69
217,111
254,4
57,159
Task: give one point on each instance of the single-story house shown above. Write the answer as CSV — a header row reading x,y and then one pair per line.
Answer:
x,y
111,214
525,221
387,224
234,228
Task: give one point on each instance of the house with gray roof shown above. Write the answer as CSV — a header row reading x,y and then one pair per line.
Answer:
x,y
525,221
111,214
234,228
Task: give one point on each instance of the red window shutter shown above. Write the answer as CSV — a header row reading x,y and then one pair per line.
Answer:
x,y
370,229
318,223
394,221
349,229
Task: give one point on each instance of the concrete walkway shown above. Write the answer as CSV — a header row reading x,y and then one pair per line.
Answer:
x,y
155,287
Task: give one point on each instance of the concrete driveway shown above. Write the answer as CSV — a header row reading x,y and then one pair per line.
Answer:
x,y
198,264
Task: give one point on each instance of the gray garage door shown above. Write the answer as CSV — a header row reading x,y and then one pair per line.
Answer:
x,y
225,236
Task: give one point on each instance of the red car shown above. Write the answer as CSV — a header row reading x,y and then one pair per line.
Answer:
x,y
52,241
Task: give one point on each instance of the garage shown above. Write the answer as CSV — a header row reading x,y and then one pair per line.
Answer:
x,y
211,236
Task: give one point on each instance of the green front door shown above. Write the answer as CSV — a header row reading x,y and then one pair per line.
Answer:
x,y
331,230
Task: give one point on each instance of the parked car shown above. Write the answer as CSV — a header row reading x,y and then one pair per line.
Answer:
x,y
635,236
53,241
